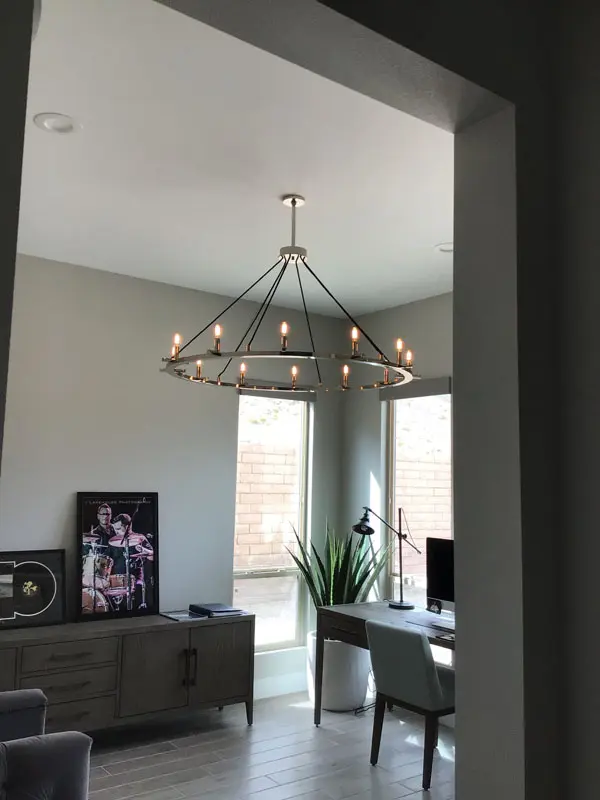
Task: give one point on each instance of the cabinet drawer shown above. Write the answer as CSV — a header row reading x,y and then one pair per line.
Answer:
x,y
8,662
57,656
74,685
82,715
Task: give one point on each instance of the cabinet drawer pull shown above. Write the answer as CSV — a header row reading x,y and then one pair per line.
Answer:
x,y
68,718
68,686
70,656
186,677
194,669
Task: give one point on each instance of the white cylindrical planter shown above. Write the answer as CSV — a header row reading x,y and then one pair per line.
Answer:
x,y
345,674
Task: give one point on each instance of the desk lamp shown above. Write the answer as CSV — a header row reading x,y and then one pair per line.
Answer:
x,y
362,528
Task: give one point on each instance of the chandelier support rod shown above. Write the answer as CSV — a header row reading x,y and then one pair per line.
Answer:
x,y
268,303
308,325
341,307
233,302
294,201
249,328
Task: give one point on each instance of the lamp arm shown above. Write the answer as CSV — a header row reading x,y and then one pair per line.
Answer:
x,y
387,525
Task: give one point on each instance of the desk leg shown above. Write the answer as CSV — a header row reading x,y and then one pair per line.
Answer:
x,y
320,647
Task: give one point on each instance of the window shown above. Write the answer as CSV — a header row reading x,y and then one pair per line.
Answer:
x,y
270,506
420,482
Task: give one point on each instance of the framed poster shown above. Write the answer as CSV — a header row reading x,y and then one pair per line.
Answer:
x,y
117,545
32,588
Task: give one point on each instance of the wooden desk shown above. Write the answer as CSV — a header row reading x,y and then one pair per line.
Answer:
x,y
346,623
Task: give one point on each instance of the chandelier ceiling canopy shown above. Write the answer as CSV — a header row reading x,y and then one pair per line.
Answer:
x,y
309,370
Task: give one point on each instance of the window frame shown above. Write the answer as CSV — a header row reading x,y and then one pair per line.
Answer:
x,y
302,617
428,387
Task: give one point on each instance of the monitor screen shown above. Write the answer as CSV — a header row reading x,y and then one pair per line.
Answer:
x,y
440,571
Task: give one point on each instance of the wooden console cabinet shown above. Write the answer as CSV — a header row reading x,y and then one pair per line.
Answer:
x,y
101,674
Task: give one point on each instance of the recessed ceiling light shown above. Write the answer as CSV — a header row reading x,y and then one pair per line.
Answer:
x,y
52,122
445,247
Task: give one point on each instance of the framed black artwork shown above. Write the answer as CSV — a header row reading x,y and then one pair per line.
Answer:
x,y
117,546
32,588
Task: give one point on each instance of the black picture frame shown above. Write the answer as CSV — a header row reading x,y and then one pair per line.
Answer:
x,y
32,588
117,555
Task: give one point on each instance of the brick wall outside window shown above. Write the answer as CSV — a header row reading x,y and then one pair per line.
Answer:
x,y
423,475
267,504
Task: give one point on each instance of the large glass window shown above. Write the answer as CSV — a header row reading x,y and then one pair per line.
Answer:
x,y
270,506
421,482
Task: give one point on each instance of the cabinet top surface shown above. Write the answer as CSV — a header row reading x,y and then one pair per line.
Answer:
x,y
103,628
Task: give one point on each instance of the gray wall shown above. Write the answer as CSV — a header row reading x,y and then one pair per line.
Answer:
x,y
579,422
426,326
14,61
88,410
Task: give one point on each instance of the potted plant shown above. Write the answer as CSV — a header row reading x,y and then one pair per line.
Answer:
x,y
346,572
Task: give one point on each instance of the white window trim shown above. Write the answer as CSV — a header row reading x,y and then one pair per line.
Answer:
x,y
427,387
304,506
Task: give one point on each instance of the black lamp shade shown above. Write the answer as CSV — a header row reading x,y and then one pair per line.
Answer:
x,y
362,527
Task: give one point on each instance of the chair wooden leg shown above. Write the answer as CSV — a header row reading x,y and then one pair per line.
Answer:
x,y
377,727
390,705
431,732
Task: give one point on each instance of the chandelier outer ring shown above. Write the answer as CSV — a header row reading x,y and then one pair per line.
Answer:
x,y
176,368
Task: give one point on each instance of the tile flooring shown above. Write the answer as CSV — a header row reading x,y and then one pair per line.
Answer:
x,y
217,757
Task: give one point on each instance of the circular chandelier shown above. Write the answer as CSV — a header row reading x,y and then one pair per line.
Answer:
x,y
236,368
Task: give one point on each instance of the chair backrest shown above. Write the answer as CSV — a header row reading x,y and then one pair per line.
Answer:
x,y
403,665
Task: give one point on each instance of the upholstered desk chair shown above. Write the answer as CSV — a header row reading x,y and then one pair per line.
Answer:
x,y
406,675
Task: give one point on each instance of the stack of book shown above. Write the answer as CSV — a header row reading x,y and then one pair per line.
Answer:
x,y
204,610
214,610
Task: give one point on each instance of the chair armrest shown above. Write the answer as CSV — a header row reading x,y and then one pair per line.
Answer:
x,y
54,765
446,677
22,713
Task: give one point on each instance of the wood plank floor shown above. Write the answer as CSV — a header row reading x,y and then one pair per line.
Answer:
x,y
216,756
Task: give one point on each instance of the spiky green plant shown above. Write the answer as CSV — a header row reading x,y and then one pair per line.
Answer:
x,y
345,573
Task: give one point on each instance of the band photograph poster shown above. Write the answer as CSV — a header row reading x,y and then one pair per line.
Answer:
x,y
117,535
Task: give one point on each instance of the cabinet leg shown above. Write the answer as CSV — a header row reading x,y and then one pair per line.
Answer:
x,y
250,711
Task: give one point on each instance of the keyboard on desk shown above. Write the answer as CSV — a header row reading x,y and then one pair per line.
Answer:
x,y
429,620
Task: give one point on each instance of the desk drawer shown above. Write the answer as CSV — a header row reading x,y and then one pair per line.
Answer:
x,y
61,655
351,631
63,686
82,715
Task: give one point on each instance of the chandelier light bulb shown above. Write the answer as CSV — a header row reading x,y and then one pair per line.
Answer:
x,y
409,359
355,336
176,346
399,350
284,330
218,333
294,376
198,370
242,373
173,353
345,373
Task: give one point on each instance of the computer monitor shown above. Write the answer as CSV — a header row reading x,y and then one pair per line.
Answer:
x,y
440,575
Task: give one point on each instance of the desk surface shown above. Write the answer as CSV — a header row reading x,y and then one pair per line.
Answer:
x,y
381,612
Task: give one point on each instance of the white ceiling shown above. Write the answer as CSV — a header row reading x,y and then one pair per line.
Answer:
x,y
188,138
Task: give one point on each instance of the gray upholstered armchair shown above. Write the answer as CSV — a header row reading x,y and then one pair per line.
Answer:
x,y
37,765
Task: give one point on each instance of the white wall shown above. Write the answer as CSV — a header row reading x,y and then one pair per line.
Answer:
x,y
426,327
88,410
